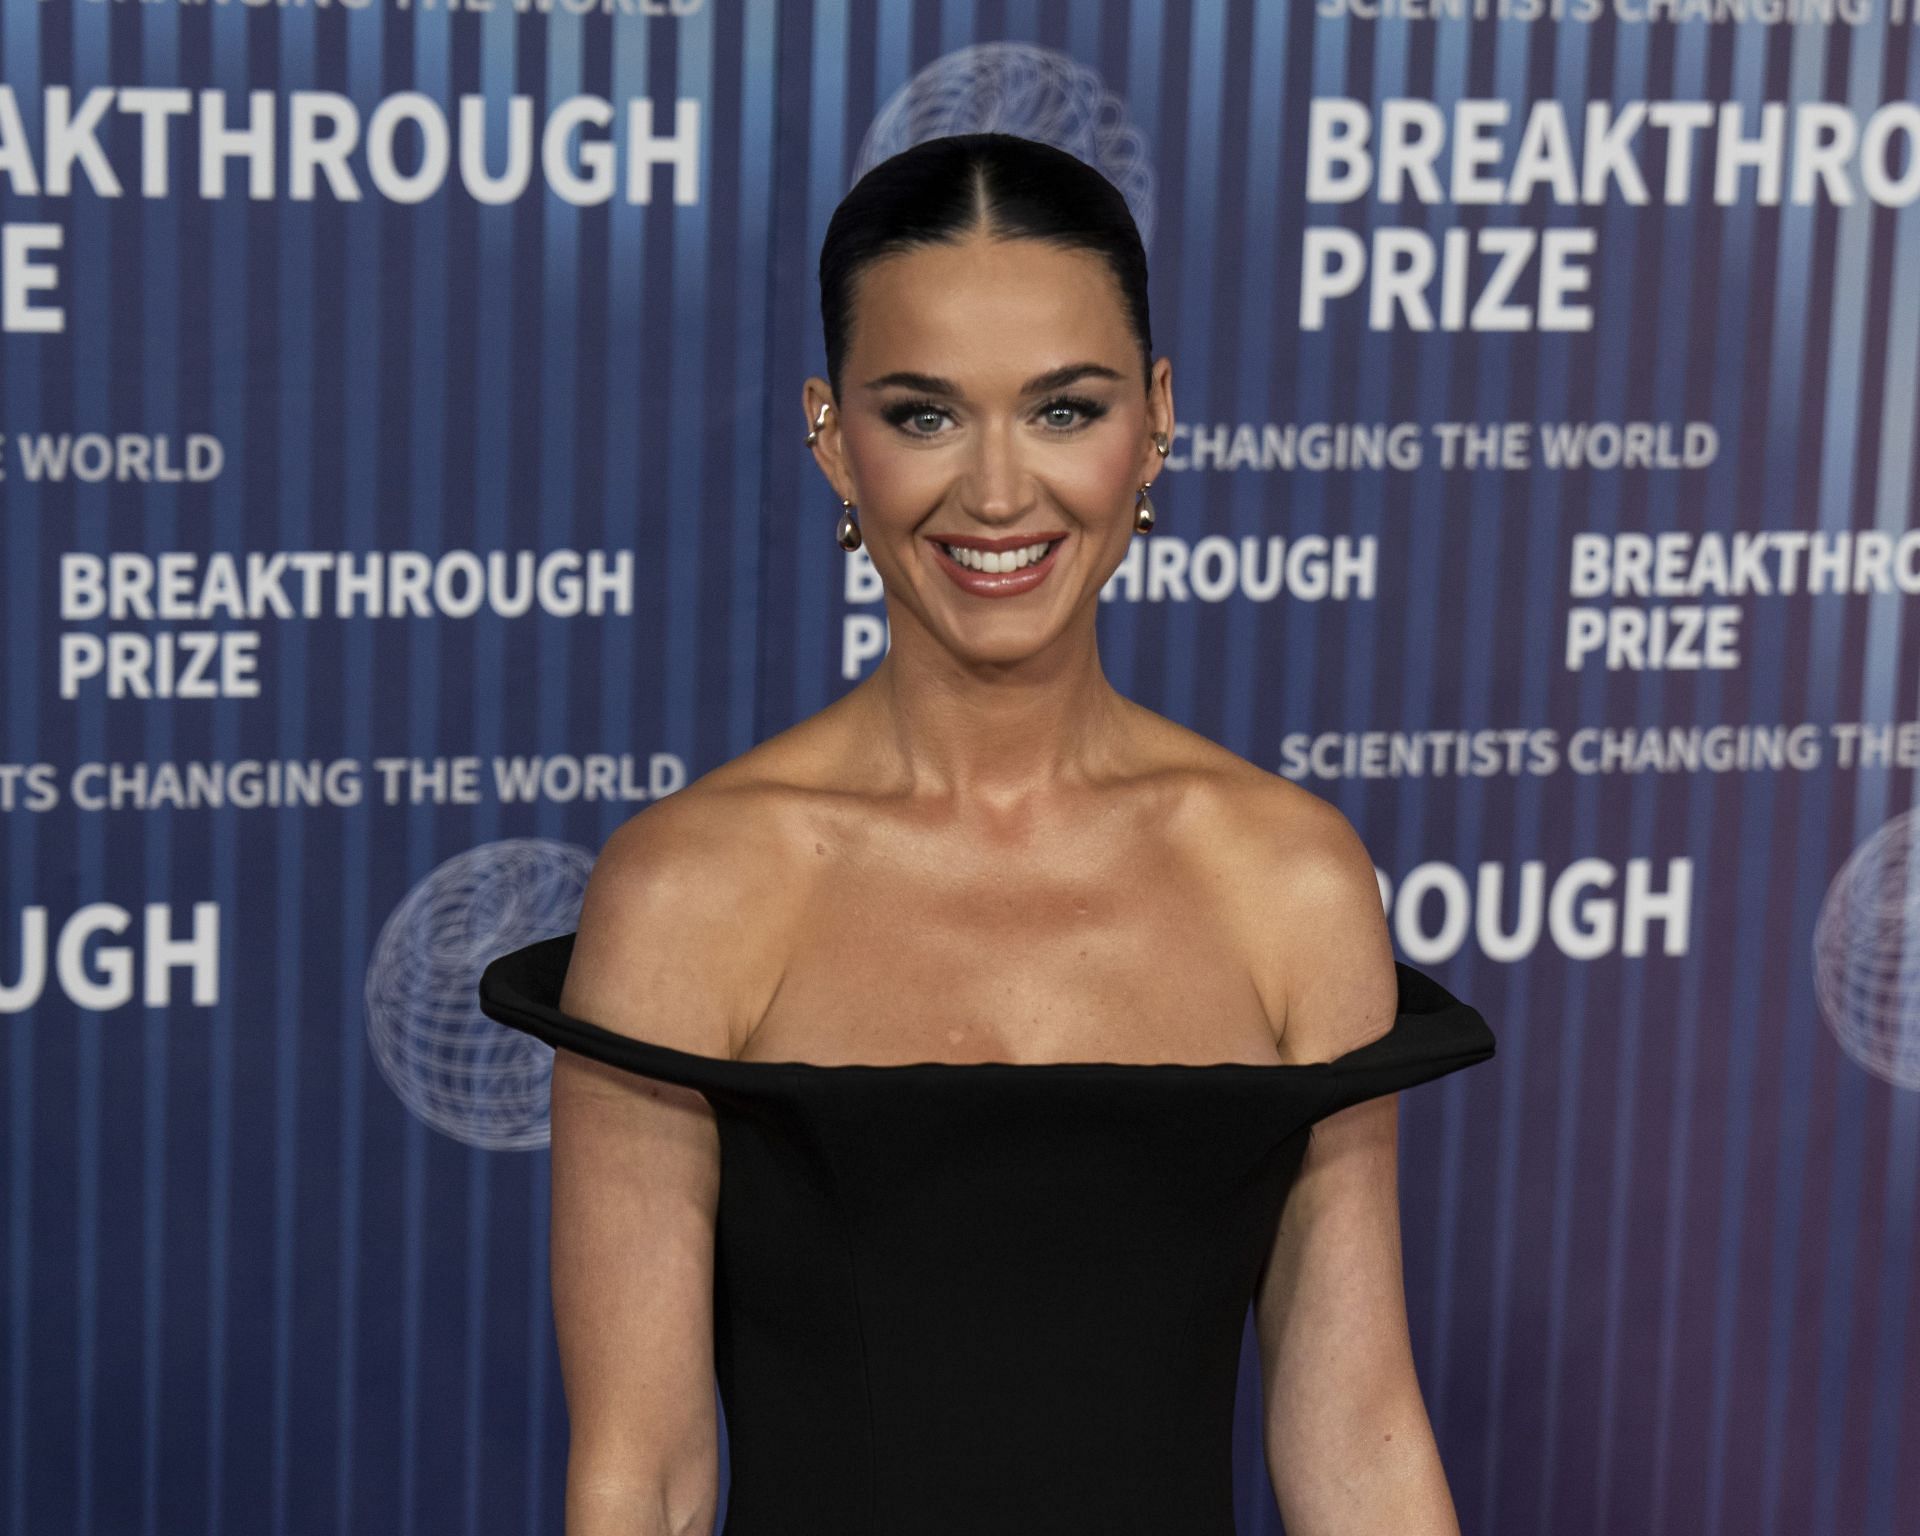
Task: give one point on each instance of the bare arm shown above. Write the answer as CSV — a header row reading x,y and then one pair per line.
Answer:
x,y
636,1171
1349,1446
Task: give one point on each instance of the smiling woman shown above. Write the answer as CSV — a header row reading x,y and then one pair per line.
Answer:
x,y
992,404
1014,1012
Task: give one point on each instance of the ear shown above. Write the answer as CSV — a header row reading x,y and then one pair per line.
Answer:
x,y
1160,418
828,450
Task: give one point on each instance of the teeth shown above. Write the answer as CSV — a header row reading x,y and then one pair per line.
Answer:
x,y
1006,560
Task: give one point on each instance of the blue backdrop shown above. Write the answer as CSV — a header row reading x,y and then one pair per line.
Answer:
x,y
403,482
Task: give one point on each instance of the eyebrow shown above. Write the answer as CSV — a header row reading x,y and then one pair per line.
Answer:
x,y
1054,378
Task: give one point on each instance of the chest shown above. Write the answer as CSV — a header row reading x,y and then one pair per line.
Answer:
x,y
961,953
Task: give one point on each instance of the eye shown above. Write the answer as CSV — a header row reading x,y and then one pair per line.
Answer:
x,y
903,411
1091,410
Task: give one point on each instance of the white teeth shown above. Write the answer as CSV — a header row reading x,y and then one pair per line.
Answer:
x,y
1006,560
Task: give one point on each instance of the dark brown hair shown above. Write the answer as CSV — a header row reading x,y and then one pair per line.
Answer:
x,y
943,189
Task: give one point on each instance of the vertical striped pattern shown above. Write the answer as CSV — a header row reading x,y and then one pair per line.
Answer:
x,y
358,392
23,385
1660,1262
163,326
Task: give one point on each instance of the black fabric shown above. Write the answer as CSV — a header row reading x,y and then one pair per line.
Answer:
x,y
960,1298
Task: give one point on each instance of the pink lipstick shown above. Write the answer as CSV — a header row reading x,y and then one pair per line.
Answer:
x,y
1008,583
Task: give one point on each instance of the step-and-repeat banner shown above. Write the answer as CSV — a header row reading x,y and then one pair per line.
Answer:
x,y
404,483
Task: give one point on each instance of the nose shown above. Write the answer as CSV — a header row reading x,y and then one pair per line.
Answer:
x,y
998,488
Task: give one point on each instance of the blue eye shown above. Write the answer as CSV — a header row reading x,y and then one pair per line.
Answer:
x,y
1092,410
903,411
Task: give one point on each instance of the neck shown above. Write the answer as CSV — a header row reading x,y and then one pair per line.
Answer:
x,y
945,726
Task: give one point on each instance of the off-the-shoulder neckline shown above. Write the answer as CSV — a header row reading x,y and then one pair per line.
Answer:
x,y
1421,998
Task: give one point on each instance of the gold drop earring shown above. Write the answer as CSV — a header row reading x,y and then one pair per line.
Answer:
x,y
1143,503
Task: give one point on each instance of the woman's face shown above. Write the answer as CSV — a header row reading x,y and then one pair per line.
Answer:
x,y
991,394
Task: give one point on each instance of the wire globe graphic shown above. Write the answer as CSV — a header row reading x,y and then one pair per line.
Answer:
x,y
1037,93
1866,953
459,1071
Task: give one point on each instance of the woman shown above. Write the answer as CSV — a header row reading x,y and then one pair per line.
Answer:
x,y
1006,1005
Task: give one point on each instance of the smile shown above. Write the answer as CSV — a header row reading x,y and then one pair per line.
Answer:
x,y
997,573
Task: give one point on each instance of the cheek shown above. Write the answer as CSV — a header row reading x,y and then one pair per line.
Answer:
x,y
906,479
1126,465
889,472
1101,476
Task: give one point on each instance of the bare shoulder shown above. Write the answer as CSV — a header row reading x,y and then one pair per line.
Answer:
x,y
1304,888
679,936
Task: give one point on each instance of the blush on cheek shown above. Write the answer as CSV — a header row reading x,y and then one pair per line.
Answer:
x,y
1108,481
911,481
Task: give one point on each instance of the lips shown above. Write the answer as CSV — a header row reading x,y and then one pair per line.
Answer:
x,y
997,583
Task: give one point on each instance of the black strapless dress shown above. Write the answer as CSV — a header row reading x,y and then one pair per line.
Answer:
x,y
953,1299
